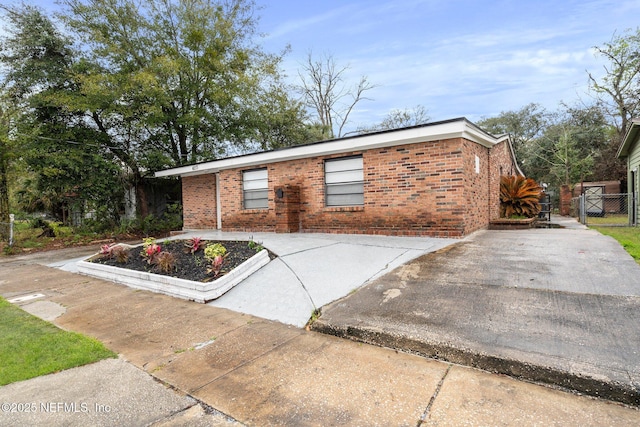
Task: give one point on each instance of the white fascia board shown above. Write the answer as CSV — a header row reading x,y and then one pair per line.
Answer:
x,y
439,131
629,139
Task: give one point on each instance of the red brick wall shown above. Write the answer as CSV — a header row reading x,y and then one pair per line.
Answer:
x,y
199,201
426,188
476,196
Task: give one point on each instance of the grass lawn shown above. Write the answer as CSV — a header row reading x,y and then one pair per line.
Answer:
x,y
628,237
609,219
30,347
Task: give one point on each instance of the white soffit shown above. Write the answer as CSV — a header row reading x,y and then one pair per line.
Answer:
x,y
460,128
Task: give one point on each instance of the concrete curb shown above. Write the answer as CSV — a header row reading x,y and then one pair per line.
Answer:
x,y
201,292
600,388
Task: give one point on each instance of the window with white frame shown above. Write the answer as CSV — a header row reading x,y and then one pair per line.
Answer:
x,y
255,189
344,182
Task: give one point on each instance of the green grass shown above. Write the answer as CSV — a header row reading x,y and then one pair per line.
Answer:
x,y
628,237
30,347
609,219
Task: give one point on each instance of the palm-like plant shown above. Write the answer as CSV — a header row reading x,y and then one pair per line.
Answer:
x,y
519,196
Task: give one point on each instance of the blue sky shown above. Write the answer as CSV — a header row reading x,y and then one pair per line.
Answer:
x,y
454,57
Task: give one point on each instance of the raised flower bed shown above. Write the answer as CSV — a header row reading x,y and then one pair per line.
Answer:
x,y
176,269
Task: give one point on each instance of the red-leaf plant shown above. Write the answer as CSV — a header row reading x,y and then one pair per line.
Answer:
x,y
216,265
151,251
107,250
194,244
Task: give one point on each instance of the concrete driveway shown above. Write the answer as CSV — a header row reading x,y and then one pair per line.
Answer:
x,y
560,306
313,270
214,366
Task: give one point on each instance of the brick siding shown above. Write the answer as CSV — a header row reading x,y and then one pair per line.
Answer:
x,y
428,188
199,201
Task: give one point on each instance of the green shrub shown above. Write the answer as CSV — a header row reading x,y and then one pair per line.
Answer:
x,y
214,250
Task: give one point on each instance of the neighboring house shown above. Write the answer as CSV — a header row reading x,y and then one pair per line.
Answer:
x,y
630,150
438,179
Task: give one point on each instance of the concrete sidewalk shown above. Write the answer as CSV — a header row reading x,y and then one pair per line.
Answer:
x,y
559,306
262,372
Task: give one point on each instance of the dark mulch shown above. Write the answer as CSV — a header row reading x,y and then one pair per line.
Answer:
x,y
187,266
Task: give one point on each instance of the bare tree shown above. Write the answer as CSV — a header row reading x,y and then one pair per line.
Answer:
x,y
325,91
397,119
619,90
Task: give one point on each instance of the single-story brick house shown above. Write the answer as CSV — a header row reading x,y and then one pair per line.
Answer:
x,y
438,179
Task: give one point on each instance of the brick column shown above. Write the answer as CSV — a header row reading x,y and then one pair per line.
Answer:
x,y
565,200
287,198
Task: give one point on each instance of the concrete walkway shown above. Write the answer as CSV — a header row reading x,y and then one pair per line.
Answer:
x,y
256,371
560,306
311,270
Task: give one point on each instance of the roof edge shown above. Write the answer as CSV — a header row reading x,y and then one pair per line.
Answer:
x,y
446,129
629,138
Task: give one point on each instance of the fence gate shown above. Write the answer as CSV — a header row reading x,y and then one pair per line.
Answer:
x,y
594,201
594,207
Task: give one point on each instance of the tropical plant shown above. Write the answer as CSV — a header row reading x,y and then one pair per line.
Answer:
x,y
215,253
194,244
214,250
151,252
166,261
519,196
216,265
120,253
106,250
150,249
146,242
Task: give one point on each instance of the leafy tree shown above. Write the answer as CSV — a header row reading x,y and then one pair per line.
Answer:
x,y
150,85
326,93
6,155
397,119
524,125
63,172
35,54
71,177
174,82
619,89
280,122
569,147
181,78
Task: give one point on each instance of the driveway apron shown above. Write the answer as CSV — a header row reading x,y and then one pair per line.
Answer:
x,y
314,269
560,306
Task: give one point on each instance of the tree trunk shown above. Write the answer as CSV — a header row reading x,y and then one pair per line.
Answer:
x,y
4,201
142,204
4,192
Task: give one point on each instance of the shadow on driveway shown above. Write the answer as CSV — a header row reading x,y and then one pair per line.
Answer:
x,y
558,306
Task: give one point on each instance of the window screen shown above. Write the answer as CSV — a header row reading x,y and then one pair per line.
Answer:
x,y
255,188
344,182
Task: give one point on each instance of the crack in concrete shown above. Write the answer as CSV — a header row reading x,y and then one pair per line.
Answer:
x,y
241,365
425,415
